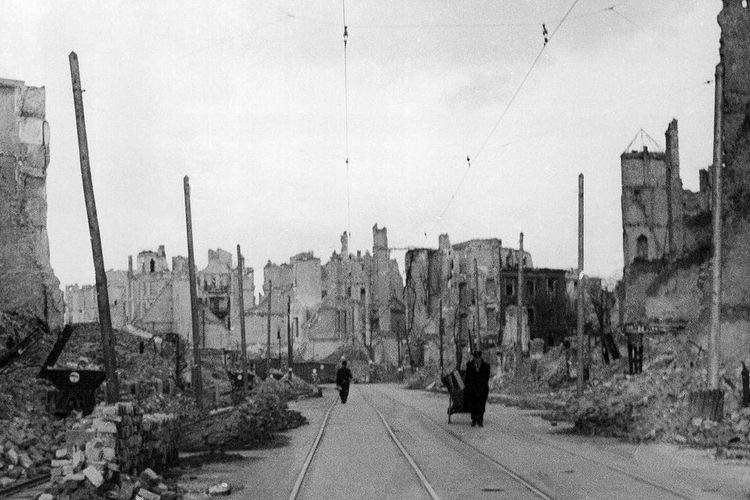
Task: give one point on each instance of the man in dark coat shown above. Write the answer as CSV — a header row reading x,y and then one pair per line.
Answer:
x,y
477,388
343,378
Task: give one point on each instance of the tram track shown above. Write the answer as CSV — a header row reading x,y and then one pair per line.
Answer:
x,y
310,454
527,484
518,477
21,486
297,489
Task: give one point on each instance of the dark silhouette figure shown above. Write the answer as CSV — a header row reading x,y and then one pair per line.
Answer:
x,y
477,388
343,378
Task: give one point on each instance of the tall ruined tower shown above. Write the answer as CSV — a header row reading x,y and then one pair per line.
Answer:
x,y
381,278
27,283
652,202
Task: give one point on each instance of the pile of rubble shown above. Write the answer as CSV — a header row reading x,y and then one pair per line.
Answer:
x,y
357,360
246,425
655,404
148,485
289,388
424,377
28,445
115,440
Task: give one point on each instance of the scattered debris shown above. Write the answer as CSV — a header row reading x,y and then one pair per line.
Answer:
x,y
220,489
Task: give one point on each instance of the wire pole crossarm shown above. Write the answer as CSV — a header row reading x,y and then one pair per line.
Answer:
x,y
102,294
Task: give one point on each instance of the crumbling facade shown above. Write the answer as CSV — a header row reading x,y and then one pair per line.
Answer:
x,y
664,227
27,282
352,298
476,284
151,297
655,208
734,20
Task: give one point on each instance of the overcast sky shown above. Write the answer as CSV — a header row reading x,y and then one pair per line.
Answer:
x,y
247,98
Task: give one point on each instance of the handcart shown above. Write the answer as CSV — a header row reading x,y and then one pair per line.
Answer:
x,y
454,382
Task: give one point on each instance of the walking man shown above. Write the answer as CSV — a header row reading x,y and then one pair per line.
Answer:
x,y
343,378
477,388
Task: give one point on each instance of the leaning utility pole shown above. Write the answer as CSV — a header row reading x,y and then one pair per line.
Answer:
x,y
197,376
519,305
241,307
476,304
713,341
102,295
581,294
289,347
268,346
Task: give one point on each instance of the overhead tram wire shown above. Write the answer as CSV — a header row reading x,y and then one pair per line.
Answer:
x,y
519,24
502,115
346,126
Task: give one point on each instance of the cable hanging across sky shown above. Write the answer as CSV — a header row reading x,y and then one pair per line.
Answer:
x,y
547,38
346,125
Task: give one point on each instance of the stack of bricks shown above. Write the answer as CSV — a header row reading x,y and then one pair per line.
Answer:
x,y
115,438
160,433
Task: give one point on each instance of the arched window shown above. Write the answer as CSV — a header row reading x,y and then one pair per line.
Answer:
x,y
641,247
152,265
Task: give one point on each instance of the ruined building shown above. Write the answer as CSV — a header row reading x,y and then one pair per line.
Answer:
x,y
656,210
353,298
27,282
664,229
293,290
734,20
476,282
679,287
151,297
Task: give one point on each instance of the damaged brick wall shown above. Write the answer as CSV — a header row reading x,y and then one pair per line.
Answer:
x,y
734,20
27,282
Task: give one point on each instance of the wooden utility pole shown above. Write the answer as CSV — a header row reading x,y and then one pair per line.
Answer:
x,y
197,374
241,306
441,331
581,288
477,328
715,334
289,347
102,295
268,324
398,347
519,305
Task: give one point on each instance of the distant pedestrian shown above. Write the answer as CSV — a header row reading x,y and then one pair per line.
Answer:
x,y
343,378
477,388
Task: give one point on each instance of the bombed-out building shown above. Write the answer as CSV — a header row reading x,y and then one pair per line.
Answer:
x,y
352,298
27,283
663,224
152,297
476,284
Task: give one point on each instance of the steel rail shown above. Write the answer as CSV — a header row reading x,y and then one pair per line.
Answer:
x,y
308,460
513,475
24,485
613,468
425,483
